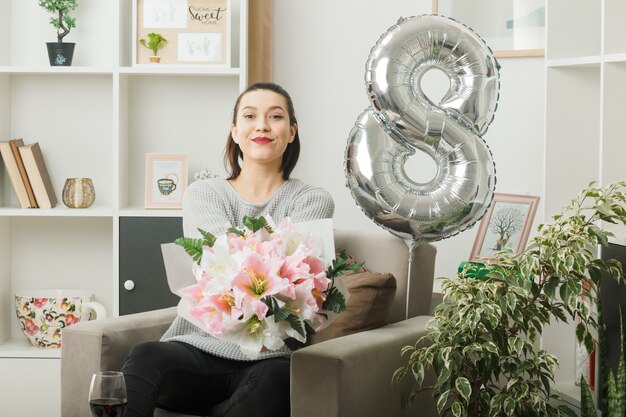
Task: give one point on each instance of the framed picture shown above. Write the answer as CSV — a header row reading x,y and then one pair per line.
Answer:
x,y
166,180
197,31
506,224
511,28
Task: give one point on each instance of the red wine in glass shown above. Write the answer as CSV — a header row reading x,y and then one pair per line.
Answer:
x,y
107,407
107,394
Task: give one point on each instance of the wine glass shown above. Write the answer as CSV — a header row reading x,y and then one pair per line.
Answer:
x,y
107,394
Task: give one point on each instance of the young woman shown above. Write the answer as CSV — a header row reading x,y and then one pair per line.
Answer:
x,y
190,371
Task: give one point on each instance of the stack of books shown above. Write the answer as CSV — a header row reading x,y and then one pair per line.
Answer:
x,y
28,173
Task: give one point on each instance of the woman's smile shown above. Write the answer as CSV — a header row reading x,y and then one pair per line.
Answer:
x,y
262,140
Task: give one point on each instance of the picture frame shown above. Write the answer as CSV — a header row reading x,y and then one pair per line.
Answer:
x,y
166,180
197,31
507,223
511,28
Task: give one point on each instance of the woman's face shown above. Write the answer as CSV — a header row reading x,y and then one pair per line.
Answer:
x,y
262,128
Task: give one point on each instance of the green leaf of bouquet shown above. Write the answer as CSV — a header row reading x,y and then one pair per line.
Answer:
x,y
335,301
256,223
309,330
209,239
236,231
192,246
280,315
295,324
340,266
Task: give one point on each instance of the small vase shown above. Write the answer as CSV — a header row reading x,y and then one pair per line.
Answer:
x,y
78,193
60,53
155,59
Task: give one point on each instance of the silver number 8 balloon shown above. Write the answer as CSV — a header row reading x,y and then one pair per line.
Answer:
x,y
402,120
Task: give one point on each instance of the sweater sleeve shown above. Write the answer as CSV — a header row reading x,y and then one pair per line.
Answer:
x,y
312,204
204,207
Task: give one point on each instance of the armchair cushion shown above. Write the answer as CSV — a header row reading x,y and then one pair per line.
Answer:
x,y
371,298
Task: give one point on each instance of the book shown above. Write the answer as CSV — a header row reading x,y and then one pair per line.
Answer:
x,y
38,175
14,174
15,143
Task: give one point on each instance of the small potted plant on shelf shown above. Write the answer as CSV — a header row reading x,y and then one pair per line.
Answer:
x,y
482,342
59,52
154,43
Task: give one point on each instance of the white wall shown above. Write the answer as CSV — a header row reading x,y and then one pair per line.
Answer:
x,y
320,50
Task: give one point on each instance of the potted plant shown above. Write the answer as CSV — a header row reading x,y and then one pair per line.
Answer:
x,y
614,388
481,343
59,52
154,43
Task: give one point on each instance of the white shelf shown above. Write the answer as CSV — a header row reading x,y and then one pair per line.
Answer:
x,y
585,61
21,348
615,58
74,70
133,211
59,211
95,119
585,90
160,69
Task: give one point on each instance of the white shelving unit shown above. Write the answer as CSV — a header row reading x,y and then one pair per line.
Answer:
x,y
585,125
96,119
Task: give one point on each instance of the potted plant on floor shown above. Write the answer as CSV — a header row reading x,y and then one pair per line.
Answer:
x,y
154,43
59,52
481,343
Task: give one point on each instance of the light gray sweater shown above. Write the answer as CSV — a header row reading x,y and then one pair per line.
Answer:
x,y
213,205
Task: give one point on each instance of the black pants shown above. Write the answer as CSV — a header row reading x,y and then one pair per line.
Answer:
x,y
178,377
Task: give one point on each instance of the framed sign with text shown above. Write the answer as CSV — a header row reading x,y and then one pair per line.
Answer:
x,y
166,180
196,31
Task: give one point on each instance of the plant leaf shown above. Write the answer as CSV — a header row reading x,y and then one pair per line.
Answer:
x,y
192,246
509,406
334,301
457,409
296,324
209,239
463,387
399,374
587,408
256,223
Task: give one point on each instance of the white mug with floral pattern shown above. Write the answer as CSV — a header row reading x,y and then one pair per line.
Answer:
x,y
42,314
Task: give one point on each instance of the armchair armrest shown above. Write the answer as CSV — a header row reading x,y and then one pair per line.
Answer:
x,y
351,375
104,344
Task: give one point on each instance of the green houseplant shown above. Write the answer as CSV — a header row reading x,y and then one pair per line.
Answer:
x,y
481,341
613,387
154,43
59,52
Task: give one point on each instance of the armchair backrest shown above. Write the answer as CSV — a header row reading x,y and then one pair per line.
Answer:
x,y
384,252
381,252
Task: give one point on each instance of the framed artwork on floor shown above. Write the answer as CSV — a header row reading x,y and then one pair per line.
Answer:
x,y
166,180
511,28
506,224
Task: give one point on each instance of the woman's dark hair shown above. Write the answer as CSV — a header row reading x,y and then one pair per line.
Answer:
x,y
232,152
